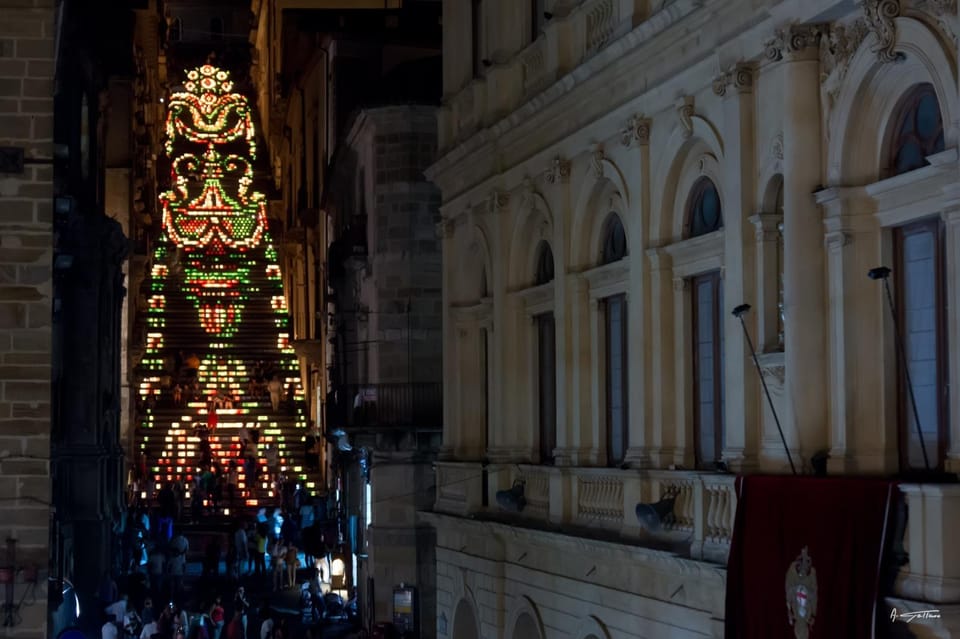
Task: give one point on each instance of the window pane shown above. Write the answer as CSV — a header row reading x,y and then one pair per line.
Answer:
x,y
703,288
547,383
928,116
918,278
615,379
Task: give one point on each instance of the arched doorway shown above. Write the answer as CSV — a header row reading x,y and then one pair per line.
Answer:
x,y
464,622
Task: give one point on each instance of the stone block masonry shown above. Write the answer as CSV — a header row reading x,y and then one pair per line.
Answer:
x,y
26,282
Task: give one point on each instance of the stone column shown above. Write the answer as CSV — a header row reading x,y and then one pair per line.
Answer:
x,y
741,417
577,364
637,133
660,386
593,429
682,367
804,294
861,439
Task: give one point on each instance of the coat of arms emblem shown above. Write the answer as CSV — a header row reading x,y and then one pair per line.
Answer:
x,y
801,595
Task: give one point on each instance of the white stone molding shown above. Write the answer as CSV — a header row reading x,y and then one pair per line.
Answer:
x,y
524,606
636,132
915,194
697,255
535,300
608,279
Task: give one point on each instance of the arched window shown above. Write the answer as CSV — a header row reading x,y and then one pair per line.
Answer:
x,y
614,240
704,211
544,273
216,28
918,132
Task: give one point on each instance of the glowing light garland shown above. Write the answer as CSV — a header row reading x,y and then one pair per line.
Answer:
x,y
219,228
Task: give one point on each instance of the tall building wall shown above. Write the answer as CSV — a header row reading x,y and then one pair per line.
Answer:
x,y
26,250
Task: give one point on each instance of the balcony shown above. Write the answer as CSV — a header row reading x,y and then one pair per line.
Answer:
x,y
375,406
601,502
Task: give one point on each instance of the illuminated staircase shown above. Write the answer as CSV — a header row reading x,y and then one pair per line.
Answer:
x,y
169,434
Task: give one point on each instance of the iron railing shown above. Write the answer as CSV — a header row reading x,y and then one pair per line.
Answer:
x,y
417,405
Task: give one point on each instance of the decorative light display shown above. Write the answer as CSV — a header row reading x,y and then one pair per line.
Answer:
x,y
217,263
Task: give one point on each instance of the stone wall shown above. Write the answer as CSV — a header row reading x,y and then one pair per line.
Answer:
x,y
26,201
406,259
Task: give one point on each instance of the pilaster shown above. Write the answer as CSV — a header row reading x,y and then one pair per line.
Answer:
x,y
804,293
660,388
862,438
741,437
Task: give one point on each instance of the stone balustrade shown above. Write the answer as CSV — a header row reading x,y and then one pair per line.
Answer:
x,y
602,499
932,572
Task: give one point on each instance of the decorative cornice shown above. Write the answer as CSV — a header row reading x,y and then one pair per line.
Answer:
x,y
558,172
794,40
636,131
596,161
880,16
739,76
686,111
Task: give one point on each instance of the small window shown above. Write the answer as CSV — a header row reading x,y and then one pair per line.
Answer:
x,y
705,214
614,240
216,29
918,132
544,272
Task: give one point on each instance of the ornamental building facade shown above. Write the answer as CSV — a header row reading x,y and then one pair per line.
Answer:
x,y
617,177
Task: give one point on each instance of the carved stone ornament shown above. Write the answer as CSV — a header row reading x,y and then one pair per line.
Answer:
x,y
836,51
445,229
945,13
776,147
558,171
596,162
637,130
880,16
527,193
740,77
686,111
795,39
498,201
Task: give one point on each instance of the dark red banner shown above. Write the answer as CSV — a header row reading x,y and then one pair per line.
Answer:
x,y
805,557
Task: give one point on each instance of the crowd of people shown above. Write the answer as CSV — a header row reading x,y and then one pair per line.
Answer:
x,y
266,553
